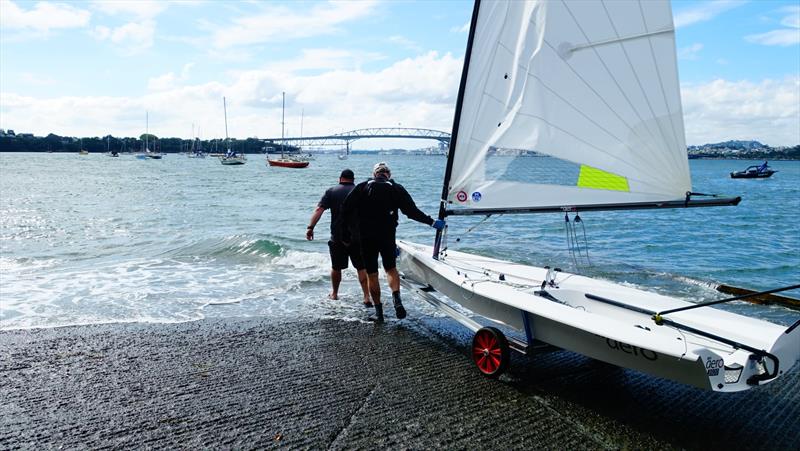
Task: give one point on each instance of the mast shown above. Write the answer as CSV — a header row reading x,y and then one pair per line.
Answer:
x,y
283,111
146,131
456,121
225,111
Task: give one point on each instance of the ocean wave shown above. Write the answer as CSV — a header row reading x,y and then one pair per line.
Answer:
x,y
237,247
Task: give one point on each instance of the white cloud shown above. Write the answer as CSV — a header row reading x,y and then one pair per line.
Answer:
x,y
415,92
140,9
169,80
132,38
43,17
462,29
279,23
691,52
768,111
793,18
37,79
405,42
784,36
317,60
704,12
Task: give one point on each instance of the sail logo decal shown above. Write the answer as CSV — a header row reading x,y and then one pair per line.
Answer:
x,y
629,349
461,196
713,366
476,196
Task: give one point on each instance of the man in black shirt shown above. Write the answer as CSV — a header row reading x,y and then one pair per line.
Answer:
x,y
341,246
371,212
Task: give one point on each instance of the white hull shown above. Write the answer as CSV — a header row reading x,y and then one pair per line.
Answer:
x,y
620,336
229,161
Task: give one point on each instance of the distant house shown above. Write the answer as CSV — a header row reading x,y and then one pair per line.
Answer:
x,y
25,135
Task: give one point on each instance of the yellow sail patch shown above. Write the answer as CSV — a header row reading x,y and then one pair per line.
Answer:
x,y
594,178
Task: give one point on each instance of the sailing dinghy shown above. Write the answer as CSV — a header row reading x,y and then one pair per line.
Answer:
x,y
591,89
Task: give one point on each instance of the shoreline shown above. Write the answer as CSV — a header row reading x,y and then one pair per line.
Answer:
x,y
327,383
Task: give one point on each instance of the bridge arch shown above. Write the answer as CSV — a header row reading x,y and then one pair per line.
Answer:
x,y
346,138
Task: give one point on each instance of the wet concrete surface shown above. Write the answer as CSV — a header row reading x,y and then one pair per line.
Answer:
x,y
257,383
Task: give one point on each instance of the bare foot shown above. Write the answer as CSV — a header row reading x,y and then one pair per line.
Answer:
x,y
333,296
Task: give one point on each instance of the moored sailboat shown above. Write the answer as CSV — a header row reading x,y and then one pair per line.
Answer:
x,y
593,87
286,161
230,158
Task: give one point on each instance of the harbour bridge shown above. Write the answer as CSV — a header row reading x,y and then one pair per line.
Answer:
x,y
344,139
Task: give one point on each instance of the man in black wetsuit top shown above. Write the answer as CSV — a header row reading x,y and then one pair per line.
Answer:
x,y
341,245
371,213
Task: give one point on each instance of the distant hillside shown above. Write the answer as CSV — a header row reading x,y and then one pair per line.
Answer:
x,y
744,150
26,142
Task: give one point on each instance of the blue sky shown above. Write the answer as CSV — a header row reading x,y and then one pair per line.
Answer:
x,y
94,67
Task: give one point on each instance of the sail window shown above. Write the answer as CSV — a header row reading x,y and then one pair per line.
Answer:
x,y
598,179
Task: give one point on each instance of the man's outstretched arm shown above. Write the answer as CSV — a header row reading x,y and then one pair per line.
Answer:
x,y
313,222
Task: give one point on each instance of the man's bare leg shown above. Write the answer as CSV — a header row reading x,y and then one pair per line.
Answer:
x,y
394,279
394,285
336,279
375,292
362,280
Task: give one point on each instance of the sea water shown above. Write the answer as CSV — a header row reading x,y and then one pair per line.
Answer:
x,y
92,239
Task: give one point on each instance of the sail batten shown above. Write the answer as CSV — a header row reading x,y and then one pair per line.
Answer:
x,y
591,84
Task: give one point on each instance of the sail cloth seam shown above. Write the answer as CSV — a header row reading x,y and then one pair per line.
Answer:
x,y
670,160
657,190
610,74
581,113
660,81
638,80
617,84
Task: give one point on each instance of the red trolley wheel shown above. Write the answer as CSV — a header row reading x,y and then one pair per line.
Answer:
x,y
490,352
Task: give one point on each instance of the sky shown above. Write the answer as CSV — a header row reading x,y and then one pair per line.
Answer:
x,y
92,68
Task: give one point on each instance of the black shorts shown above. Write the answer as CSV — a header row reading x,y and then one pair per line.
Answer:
x,y
340,252
385,247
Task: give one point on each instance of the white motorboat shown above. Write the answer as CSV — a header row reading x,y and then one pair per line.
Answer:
x,y
233,159
592,86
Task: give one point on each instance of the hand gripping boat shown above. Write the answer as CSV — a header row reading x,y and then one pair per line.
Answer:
x,y
572,106
704,347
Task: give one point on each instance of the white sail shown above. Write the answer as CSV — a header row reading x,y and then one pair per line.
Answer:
x,y
592,85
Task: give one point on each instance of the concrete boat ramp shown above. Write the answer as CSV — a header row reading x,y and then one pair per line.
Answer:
x,y
260,383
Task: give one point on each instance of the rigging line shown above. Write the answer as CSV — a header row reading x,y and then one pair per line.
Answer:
x,y
661,82
570,246
532,283
576,242
585,240
636,76
475,226
616,82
